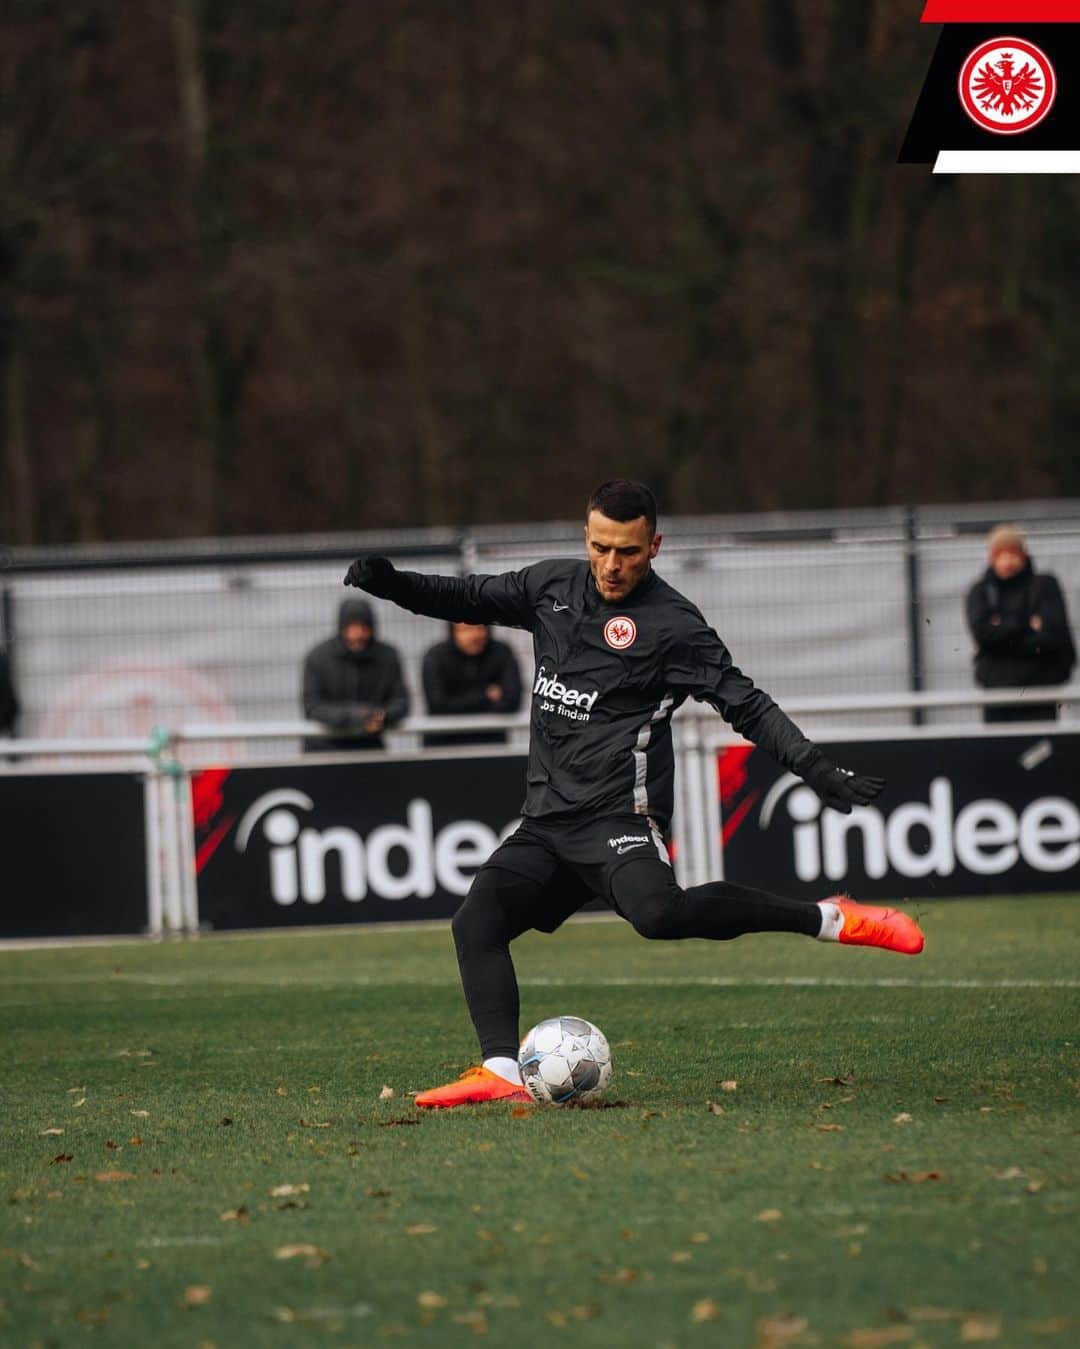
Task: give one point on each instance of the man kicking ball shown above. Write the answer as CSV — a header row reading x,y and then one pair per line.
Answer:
x,y
617,651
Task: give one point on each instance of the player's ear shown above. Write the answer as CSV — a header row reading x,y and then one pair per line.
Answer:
x,y
654,547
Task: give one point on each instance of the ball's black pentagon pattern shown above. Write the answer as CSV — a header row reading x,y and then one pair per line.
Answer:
x,y
573,1025
585,1075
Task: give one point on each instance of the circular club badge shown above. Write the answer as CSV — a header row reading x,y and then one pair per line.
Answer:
x,y
620,633
1007,85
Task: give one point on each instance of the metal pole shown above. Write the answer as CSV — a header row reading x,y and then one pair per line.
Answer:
x,y
185,826
154,899
914,598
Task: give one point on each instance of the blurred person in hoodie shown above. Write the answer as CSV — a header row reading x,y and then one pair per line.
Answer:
x,y
1018,619
469,674
353,683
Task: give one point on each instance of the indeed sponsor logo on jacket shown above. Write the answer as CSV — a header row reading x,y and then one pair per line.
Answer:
x,y
549,686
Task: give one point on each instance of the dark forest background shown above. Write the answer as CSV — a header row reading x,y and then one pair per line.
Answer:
x,y
279,265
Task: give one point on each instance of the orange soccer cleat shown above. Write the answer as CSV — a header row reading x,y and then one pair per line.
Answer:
x,y
866,926
473,1087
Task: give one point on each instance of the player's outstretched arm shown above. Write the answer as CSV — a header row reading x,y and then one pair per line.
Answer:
x,y
501,599
702,665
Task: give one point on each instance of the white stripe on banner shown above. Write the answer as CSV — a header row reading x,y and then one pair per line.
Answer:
x,y
1008,161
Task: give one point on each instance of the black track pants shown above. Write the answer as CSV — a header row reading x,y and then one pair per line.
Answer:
x,y
501,905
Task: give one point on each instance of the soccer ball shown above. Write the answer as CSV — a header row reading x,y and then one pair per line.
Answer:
x,y
564,1059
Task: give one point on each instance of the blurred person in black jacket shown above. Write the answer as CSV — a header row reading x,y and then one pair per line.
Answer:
x,y
468,674
1018,619
9,704
353,683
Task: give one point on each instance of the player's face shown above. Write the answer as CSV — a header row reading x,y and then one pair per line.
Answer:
x,y
1008,562
620,553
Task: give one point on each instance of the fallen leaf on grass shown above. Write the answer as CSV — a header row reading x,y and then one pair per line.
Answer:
x,y
141,1114
106,1176
197,1295
430,1300
385,1124
902,1118
1034,1186
236,1215
75,1091
135,1141
621,1278
1010,1173
730,1085
50,1133
313,1255
61,1157
774,1331
878,1337
386,1093
715,1109
281,1091
280,1191
680,1257
420,1230
705,1309
913,1177
940,1100
978,1328
312,1124
769,1215
81,1101
845,1080
699,1238
113,1147
1052,1325
829,1128
521,1112
474,1319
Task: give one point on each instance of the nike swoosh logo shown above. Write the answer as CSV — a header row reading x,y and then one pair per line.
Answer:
x,y
559,607
627,846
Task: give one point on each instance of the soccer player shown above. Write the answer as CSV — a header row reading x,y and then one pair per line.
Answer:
x,y
617,651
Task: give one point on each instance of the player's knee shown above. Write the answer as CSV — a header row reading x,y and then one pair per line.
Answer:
x,y
657,921
480,921
646,894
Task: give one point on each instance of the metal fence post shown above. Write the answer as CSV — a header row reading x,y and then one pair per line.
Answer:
x,y
914,608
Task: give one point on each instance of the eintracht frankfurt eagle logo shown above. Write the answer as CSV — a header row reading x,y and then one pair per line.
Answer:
x,y
1007,85
619,632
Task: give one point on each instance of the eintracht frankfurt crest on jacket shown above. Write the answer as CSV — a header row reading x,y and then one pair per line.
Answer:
x,y
1003,91
1007,85
620,632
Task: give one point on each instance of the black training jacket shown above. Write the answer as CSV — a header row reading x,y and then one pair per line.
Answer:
x,y
1010,653
608,678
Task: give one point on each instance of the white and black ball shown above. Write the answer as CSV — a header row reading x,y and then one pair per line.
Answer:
x,y
564,1059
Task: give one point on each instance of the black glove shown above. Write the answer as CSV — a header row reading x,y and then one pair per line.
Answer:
x,y
372,573
840,788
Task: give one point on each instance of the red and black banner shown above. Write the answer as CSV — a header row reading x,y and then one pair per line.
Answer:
x,y
393,840
1003,88
974,816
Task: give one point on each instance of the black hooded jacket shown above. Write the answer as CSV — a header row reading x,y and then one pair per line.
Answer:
x,y
342,687
455,682
1010,653
608,678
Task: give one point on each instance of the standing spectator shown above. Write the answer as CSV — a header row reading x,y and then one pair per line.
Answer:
x,y
1018,620
468,674
9,704
353,683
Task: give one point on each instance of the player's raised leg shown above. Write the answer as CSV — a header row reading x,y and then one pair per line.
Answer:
x,y
646,893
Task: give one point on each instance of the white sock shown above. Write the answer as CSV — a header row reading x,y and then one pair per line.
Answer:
x,y
506,1068
832,921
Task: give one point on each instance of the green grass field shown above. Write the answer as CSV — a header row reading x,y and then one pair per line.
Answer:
x,y
895,1165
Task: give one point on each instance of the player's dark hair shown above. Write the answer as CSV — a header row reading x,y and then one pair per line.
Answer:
x,y
622,500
